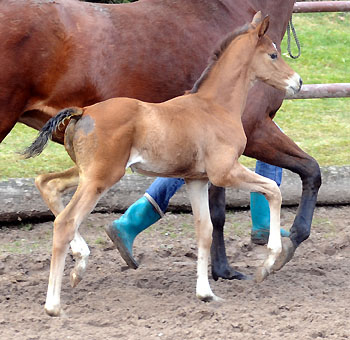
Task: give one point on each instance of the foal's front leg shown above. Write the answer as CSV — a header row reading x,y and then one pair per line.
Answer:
x,y
198,194
242,178
257,183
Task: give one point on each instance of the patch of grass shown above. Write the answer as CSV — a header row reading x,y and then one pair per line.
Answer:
x,y
26,227
236,226
170,230
321,127
325,226
12,165
101,241
325,40
21,247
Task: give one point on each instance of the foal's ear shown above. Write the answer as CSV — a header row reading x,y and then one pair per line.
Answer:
x,y
263,26
256,19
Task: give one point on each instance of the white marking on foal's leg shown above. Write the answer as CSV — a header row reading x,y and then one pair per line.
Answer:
x,y
81,254
203,290
53,300
198,194
274,244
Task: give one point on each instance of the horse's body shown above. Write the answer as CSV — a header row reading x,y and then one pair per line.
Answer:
x,y
198,136
56,54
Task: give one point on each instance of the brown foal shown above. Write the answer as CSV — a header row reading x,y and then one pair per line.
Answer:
x,y
198,136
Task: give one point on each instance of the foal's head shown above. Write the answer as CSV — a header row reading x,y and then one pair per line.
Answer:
x,y
267,63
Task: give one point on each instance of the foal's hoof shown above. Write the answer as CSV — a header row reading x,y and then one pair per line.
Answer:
x,y
75,278
53,310
288,250
210,298
261,274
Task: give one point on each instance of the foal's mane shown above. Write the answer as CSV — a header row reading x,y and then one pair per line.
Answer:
x,y
218,52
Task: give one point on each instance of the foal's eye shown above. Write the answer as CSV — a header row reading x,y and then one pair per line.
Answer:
x,y
273,56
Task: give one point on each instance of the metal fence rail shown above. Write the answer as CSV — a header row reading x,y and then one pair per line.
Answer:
x,y
322,6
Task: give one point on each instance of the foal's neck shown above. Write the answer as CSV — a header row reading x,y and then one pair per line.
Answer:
x,y
230,79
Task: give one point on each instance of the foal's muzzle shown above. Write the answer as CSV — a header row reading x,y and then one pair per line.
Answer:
x,y
294,84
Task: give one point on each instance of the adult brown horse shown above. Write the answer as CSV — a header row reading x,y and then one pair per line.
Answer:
x,y
56,54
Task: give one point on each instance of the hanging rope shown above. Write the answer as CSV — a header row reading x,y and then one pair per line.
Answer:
x,y
290,27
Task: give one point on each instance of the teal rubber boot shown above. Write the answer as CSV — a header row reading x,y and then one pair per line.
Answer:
x,y
260,211
123,231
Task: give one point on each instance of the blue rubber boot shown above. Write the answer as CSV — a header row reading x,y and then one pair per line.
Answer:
x,y
123,231
260,211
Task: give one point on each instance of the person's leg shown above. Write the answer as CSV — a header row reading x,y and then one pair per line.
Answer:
x,y
142,214
162,190
259,206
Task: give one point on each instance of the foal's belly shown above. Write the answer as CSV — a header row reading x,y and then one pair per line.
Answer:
x,y
166,165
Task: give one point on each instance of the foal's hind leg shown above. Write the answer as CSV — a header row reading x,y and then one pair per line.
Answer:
x,y
242,178
198,193
52,186
81,254
65,227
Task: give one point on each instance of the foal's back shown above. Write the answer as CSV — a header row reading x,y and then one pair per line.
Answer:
x,y
172,138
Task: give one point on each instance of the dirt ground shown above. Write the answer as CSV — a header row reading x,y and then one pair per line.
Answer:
x,y
308,299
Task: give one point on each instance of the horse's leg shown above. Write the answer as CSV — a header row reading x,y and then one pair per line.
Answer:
x,y
65,229
81,254
198,194
6,126
219,264
9,113
65,226
52,186
272,146
242,178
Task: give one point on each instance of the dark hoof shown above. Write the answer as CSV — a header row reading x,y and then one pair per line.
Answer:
x,y
123,250
288,250
228,274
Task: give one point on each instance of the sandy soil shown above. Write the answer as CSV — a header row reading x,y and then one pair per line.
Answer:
x,y
308,299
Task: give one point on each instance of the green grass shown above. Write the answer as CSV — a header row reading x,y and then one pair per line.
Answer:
x,y
321,127
54,157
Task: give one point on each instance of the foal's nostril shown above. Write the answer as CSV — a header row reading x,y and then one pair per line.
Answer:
x,y
300,82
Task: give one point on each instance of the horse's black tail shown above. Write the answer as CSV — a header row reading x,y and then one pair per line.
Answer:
x,y
48,129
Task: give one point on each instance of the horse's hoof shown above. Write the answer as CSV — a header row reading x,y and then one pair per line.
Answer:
x,y
210,298
218,299
75,278
261,274
228,274
288,250
54,310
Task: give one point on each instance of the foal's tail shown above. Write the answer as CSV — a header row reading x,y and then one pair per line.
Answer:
x,y
48,129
